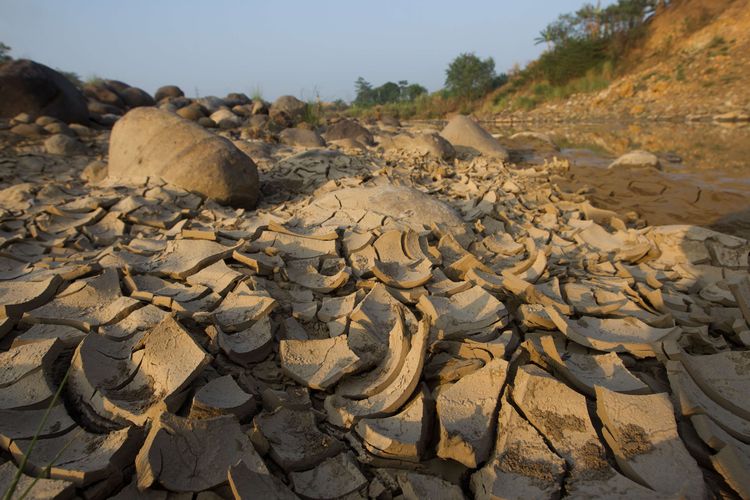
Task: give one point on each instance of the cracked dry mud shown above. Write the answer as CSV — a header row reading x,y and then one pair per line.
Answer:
x,y
386,324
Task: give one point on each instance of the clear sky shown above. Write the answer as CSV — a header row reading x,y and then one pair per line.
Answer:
x,y
297,47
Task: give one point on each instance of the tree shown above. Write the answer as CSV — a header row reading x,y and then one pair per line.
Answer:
x,y
364,92
388,92
413,91
4,49
470,77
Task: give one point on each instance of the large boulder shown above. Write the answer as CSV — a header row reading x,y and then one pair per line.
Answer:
x,y
168,91
27,86
153,142
429,144
135,97
288,109
636,159
301,137
462,131
349,129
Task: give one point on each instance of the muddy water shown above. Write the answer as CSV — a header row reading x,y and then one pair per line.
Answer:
x,y
705,178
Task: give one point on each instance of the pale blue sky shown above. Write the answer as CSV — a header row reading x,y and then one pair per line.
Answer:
x,y
281,47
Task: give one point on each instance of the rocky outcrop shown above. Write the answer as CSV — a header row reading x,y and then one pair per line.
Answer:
x,y
287,110
154,143
30,87
349,129
462,131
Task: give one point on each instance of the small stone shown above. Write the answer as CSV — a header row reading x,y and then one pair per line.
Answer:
x,y
64,145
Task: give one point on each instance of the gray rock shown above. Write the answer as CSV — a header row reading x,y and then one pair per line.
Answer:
x,y
27,86
96,171
64,145
637,158
301,137
102,93
194,112
464,132
349,129
23,118
101,108
430,144
234,99
152,142
257,121
288,109
59,128
28,130
135,97
168,91
207,122
225,119
260,107
211,103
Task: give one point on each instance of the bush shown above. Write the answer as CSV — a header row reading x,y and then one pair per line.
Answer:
x,y
469,77
570,60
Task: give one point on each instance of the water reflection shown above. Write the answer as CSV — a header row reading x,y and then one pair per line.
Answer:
x,y
706,168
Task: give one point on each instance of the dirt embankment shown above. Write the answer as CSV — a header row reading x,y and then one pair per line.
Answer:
x,y
692,64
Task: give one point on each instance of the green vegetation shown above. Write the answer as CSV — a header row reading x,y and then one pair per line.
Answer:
x,y
93,79
313,112
584,51
387,93
470,77
4,50
257,93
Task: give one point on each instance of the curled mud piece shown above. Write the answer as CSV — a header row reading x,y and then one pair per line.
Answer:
x,y
295,246
185,455
306,273
183,258
317,363
79,456
613,335
334,478
295,441
405,435
124,385
464,312
346,412
26,375
241,308
248,346
377,379
642,433
466,414
18,296
522,465
222,396
417,486
87,303
248,484
585,370
562,417
732,459
693,401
